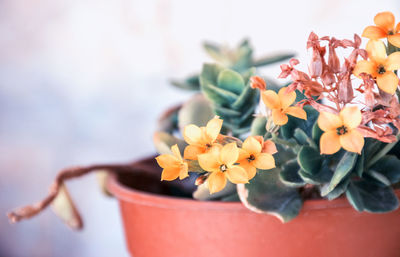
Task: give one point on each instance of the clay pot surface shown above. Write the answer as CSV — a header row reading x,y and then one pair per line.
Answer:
x,y
158,225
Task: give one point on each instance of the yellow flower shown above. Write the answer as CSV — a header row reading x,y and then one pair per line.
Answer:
x,y
384,28
280,105
252,157
220,161
173,165
341,131
202,139
380,66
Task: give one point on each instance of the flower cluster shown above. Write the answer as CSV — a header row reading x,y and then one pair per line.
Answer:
x,y
217,157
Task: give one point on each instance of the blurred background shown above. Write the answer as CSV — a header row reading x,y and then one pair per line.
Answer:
x,y
83,81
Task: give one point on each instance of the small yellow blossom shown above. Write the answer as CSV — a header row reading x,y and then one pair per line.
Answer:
x,y
341,131
173,165
201,139
385,28
280,105
380,66
220,161
252,157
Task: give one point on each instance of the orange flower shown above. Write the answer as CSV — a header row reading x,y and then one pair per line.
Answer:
x,y
252,157
384,22
380,66
341,131
202,139
220,161
280,105
173,165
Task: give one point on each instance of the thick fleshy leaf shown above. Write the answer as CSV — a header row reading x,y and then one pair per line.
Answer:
x,y
290,174
288,129
258,126
309,159
388,166
190,83
267,194
163,142
367,196
337,191
316,133
197,111
203,193
230,80
343,169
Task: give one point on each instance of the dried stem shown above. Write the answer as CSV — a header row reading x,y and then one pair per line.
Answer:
x,y
64,175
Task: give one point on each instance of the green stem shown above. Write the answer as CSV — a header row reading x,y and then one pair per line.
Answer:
x,y
281,141
383,152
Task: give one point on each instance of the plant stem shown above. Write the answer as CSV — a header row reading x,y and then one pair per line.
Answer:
x,y
383,152
281,141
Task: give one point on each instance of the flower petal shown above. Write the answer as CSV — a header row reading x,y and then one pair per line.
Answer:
x,y
209,161
252,145
286,98
192,134
243,155
352,141
183,172
264,161
374,32
250,169
296,112
167,161
279,117
237,175
170,173
213,128
376,50
192,151
229,154
175,150
271,99
351,117
269,147
216,181
393,61
385,20
388,82
328,121
365,66
329,143
394,39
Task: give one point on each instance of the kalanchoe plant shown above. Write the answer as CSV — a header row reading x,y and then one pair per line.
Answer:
x,y
330,130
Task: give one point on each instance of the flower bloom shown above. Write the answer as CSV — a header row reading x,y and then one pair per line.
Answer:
x,y
380,66
280,105
341,131
220,161
173,165
385,28
252,157
202,139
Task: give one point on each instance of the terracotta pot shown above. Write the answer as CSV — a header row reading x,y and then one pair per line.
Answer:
x,y
162,226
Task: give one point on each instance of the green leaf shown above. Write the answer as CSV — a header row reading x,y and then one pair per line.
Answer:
x,y
359,167
303,139
290,174
258,126
388,166
337,191
379,177
203,193
267,60
190,83
197,110
267,194
163,142
365,195
343,169
309,159
316,133
288,129
231,81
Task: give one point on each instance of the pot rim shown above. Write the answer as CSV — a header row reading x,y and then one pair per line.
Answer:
x,y
128,194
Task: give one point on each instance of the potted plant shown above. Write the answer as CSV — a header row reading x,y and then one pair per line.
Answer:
x,y
317,155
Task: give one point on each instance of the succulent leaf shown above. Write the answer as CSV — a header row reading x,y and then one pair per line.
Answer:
x,y
388,166
290,174
258,126
343,169
189,83
309,159
197,111
203,193
163,142
230,80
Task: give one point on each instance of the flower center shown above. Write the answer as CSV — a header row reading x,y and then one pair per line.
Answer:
x,y
390,32
341,130
223,167
208,145
251,158
381,69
